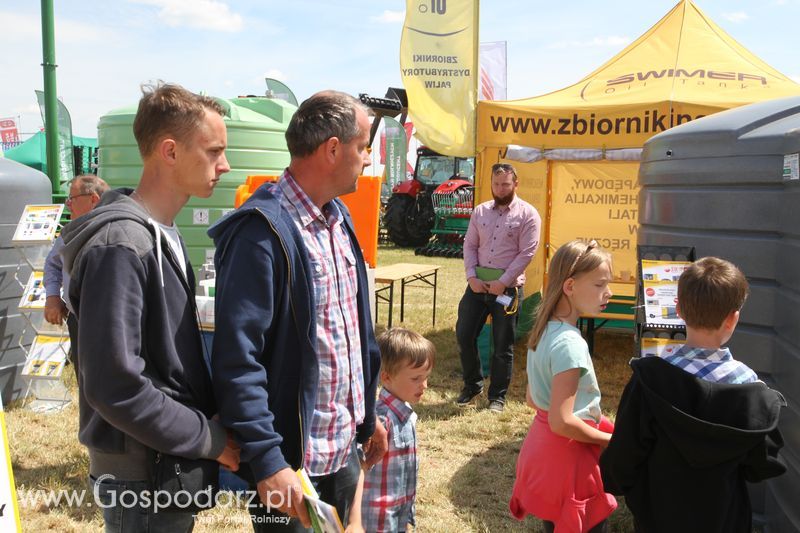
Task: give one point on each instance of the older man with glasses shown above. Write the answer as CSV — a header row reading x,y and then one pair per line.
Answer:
x,y
84,193
501,240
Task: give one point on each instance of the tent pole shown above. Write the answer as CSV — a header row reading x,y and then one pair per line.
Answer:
x,y
476,62
547,216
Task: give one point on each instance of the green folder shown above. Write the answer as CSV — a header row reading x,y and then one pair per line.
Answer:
x,y
488,274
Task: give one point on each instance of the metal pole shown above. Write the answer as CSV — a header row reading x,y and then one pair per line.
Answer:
x,y
50,95
476,67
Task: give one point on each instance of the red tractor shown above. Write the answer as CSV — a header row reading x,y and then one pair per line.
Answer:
x,y
437,201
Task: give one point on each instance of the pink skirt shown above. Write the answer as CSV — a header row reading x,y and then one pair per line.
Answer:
x,y
558,479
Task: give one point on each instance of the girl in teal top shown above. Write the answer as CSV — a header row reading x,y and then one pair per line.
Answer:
x,y
561,349
558,476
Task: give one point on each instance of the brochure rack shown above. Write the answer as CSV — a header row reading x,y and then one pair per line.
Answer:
x,y
659,330
46,356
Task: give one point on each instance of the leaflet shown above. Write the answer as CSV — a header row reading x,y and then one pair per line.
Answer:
x,y
658,347
34,295
47,357
660,286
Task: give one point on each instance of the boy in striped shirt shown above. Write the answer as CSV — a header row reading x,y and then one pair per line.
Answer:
x,y
390,488
710,294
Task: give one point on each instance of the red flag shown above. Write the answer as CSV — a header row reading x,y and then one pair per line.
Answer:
x,y
8,131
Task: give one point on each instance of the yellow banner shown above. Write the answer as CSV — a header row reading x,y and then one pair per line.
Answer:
x,y
9,510
438,64
598,200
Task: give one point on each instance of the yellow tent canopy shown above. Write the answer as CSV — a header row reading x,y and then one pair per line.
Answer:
x,y
684,67
577,150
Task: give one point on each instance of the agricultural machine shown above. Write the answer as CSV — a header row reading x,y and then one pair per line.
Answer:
x,y
437,201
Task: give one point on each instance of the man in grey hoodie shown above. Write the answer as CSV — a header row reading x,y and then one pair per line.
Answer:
x,y
143,383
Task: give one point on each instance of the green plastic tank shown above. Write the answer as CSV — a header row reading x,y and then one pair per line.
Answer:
x,y
256,146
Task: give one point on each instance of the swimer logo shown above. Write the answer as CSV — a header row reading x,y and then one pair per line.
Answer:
x,y
685,73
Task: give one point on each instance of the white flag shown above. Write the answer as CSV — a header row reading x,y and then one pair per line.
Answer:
x,y
493,82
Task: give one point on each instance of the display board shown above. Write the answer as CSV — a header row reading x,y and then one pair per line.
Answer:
x,y
47,354
659,329
38,224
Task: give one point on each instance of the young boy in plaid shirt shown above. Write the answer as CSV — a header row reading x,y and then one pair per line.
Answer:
x,y
694,426
710,294
391,486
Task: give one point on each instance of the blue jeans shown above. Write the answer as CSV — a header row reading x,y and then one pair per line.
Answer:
x,y
472,312
124,509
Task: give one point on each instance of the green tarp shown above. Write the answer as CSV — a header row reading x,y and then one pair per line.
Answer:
x,y
32,152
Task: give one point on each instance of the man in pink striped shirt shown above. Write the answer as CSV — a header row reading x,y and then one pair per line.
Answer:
x,y
501,241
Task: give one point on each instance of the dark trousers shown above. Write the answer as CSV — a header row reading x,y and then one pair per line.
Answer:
x,y
337,489
72,328
549,527
472,312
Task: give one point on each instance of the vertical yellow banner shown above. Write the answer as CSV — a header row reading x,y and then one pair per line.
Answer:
x,y
9,511
439,63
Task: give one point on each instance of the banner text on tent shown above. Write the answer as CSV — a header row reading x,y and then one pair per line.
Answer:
x,y
597,200
650,122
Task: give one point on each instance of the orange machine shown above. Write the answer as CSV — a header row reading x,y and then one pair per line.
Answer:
x,y
363,204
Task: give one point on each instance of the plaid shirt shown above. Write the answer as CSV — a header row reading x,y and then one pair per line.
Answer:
x,y
717,366
391,486
340,394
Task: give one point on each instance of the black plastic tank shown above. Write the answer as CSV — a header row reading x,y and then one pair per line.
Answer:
x,y
729,185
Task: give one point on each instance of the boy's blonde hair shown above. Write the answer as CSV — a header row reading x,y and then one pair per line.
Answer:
x,y
400,347
709,291
166,109
570,260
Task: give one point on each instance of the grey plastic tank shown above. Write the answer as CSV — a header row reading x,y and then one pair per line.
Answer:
x,y
729,185
19,185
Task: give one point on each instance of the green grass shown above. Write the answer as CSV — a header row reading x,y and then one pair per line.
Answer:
x,y
467,457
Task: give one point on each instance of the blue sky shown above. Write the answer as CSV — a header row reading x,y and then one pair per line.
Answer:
x,y
105,49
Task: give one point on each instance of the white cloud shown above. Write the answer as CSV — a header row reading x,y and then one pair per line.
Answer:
x,y
71,31
795,77
597,42
18,27
201,14
736,16
389,17
26,108
275,74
